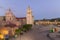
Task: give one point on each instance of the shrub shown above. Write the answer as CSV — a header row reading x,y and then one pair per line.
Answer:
x,y
24,29
27,27
17,31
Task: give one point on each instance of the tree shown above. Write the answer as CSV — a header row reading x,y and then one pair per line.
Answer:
x,y
27,27
18,31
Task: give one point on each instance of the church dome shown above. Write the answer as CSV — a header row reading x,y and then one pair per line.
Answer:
x,y
9,12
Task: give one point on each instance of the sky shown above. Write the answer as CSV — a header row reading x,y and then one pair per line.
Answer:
x,y
40,8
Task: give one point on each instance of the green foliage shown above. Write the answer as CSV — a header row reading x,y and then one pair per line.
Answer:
x,y
17,31
27,26
23,29
51,31
52,20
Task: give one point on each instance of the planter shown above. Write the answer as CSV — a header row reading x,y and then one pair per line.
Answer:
x,y
51,31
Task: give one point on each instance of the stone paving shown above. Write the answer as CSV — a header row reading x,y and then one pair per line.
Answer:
x,y
55,36
37,33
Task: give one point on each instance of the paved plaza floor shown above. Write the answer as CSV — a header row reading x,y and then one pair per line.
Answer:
x,y
37,33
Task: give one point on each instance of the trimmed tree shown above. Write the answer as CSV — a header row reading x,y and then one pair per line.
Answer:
x,y
27,27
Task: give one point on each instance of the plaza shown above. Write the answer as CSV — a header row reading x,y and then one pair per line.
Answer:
x,y
38,33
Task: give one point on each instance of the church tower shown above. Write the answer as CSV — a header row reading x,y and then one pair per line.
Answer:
x,y
29,16
9,15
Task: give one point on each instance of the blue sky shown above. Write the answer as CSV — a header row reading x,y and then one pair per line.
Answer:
x,y
40,8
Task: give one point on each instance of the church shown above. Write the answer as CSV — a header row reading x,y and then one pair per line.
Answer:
x,y
11,18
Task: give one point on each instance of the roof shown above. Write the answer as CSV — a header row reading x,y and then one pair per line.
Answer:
x,y
21,18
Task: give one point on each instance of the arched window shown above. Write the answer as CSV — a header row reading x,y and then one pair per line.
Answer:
x,y
4,18
10,18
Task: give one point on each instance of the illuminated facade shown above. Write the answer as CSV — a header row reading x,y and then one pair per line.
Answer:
x,y
46,22
11,18
29,16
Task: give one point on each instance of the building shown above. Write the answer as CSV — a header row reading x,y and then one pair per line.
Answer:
x,y
29,16
3,31
39,22
22,20
9,23
11,18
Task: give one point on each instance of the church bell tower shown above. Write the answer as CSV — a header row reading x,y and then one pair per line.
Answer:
x,y
29,16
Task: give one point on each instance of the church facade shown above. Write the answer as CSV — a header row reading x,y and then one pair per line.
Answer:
x,y
11,18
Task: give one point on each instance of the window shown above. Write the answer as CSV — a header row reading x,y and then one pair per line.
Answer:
x,y
10,18
4,18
